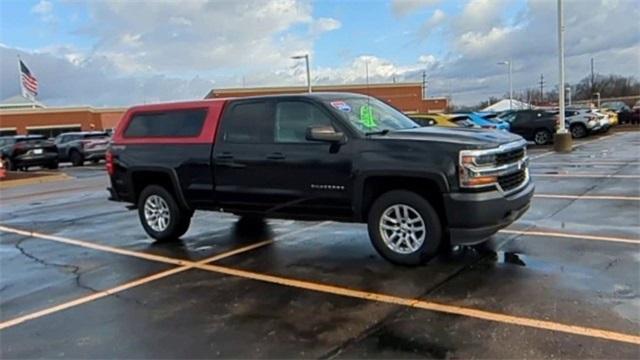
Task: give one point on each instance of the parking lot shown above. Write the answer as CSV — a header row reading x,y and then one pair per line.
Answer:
x,y
80,278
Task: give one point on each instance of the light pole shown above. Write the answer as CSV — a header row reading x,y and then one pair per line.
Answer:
x,y
306,60
569,95
509,64
562,139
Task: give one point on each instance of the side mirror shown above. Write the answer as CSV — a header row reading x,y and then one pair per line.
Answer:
x,y
324,133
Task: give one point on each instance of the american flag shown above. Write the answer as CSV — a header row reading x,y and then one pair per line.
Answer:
x,y
28,81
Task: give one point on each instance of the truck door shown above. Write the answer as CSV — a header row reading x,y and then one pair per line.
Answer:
x,y
242,180
312,177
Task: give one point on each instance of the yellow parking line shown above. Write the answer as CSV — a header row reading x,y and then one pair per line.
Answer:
x,y
587,175
185,265
587,197
330,289
94,246
572,236
427,305
92,297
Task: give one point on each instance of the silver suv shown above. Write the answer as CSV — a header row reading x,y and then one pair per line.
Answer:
x,y
582,122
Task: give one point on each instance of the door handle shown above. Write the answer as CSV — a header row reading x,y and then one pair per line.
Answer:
x,y
276,156
224,156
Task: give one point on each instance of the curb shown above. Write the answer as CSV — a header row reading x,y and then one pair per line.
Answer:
x,y
6,184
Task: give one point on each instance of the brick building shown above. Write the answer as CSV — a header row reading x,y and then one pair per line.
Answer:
x,y
53,121
404,96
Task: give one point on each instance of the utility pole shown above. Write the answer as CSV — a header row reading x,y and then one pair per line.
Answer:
x,y
424,85
541,89
306,60
593,78
562,141
509,64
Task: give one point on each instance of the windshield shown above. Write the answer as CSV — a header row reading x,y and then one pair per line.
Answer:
x,y
369,115
508,117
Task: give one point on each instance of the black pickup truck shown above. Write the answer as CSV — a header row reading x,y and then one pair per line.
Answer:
x,y
325,156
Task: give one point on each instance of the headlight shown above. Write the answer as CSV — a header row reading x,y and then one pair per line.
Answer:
x,y
470,161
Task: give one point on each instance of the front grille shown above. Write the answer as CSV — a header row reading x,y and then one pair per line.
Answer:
x,y
510,156
513,180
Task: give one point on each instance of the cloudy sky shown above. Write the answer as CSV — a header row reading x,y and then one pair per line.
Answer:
x,y
116,53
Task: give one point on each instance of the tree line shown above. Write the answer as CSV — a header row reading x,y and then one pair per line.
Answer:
x,y
609,86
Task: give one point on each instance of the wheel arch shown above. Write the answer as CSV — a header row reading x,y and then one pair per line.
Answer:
x,y
429,186
141,177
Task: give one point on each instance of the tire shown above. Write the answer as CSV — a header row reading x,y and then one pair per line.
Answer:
x,y
176,219
9,165
76,158
578,131
542,137
415,247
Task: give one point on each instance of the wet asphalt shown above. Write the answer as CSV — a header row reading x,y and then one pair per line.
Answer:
x,y
201,314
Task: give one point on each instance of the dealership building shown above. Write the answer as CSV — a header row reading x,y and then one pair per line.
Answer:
x,y
22,116
407,97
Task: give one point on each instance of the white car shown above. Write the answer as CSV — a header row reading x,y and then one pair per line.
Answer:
x,y
603,119
582,122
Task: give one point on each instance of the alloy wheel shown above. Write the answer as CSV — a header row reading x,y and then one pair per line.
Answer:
x,y
402,228
156,213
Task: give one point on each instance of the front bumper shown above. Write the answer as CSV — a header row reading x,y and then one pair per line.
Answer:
x,y
473,217
36,160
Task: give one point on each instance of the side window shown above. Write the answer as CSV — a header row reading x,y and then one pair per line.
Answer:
x,y
179,123
249,122
294,117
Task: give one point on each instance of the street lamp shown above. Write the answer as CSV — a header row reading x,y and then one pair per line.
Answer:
x,y
306,60
562,140
508,63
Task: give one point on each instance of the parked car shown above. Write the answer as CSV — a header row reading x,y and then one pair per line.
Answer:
x,y
612,116
23,151
603,120
630,117
494,118
582,122
462,120
481,122
533,125
432,120
616,106
78,147
337,156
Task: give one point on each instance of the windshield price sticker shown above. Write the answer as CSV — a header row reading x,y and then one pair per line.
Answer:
x,y
366,117
341,105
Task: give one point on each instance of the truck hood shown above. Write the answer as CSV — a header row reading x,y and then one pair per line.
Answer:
x,y
471,138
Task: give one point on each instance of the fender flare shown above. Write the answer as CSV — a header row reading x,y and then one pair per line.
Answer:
x,y
173,177
359,185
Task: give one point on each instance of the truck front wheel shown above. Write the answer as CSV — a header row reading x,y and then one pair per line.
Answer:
x,y
161,216
404,228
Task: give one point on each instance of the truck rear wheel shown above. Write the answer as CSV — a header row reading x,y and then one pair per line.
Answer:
x,y
161,216
404,228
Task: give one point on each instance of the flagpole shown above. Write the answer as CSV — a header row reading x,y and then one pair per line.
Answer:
x,y
22,92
